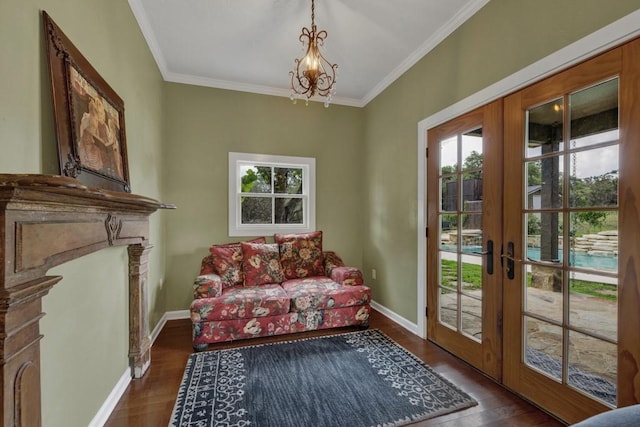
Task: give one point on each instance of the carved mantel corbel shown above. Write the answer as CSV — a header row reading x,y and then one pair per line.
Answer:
x,y
73,220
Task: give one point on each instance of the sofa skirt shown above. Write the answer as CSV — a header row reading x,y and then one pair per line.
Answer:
x,y
208,332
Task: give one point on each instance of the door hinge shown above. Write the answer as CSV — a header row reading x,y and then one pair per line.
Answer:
x,y
426,232
426,311
427,152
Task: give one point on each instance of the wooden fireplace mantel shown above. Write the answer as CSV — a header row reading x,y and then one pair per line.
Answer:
x,y
47,220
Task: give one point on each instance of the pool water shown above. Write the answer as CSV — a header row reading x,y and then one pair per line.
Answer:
x,y
577,259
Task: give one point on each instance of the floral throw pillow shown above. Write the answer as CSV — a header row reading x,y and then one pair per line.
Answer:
x,y
301,254
227,262
261,264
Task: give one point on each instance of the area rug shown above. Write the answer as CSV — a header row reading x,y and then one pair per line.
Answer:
x,y
354,379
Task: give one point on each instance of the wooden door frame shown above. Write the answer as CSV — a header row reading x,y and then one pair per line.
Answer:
x,y
486,355
614,34
574,406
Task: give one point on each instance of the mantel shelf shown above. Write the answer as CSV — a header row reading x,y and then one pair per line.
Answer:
x,y
47,220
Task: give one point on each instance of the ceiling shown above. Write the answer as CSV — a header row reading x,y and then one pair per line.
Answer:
x,y
250,45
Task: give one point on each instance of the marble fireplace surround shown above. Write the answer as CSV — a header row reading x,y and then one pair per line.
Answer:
x,y
45,221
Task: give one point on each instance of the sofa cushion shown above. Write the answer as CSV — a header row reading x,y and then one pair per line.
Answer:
x,y
301,254
261,264
240,302
319,293
227,262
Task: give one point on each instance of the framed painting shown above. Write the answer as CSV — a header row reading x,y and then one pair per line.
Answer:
x,y
88,115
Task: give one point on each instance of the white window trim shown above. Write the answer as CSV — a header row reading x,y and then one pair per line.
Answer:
x,y
308,166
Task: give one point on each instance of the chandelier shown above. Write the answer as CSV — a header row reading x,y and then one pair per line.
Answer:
x,y
313,74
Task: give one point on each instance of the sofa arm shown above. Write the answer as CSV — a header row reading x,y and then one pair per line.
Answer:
x,y
207,286
348,276
335,269
331,261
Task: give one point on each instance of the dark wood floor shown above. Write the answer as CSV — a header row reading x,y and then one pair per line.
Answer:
x,y
148,402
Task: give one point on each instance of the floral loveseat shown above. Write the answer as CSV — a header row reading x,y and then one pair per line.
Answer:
x,y
252,289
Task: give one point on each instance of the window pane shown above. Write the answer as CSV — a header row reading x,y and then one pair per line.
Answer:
x,y
256,210
289,210
256,179
288,180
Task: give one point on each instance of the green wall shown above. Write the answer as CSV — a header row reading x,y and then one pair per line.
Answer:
x,y
85,345
178,139
502,38
203,125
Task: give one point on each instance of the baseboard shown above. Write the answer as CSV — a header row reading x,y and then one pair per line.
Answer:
x,y
112,400
407,324
169,315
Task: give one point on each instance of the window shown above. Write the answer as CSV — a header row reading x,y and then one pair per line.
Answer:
x,y
271,194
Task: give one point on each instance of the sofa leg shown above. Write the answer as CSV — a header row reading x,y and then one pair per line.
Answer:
x,y
200,347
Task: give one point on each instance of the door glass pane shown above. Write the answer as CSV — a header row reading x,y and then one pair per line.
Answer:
x,y
449,155
471,319
449,193
471,233
545,128
460,291
544,292
543,347
551,176
448,232
448,270
570,211
595,241
472,153
594,114
593,304
594,178
593,366
448,310
544,236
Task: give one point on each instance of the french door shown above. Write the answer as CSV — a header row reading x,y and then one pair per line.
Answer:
x,y
465,176
560,303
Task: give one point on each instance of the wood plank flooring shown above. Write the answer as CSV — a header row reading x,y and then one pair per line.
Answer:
x,y
148,402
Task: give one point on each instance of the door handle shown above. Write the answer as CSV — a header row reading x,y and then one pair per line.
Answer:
x,y
511,260
489,254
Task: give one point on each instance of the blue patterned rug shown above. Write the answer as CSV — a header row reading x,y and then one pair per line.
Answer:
x,y
353,379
